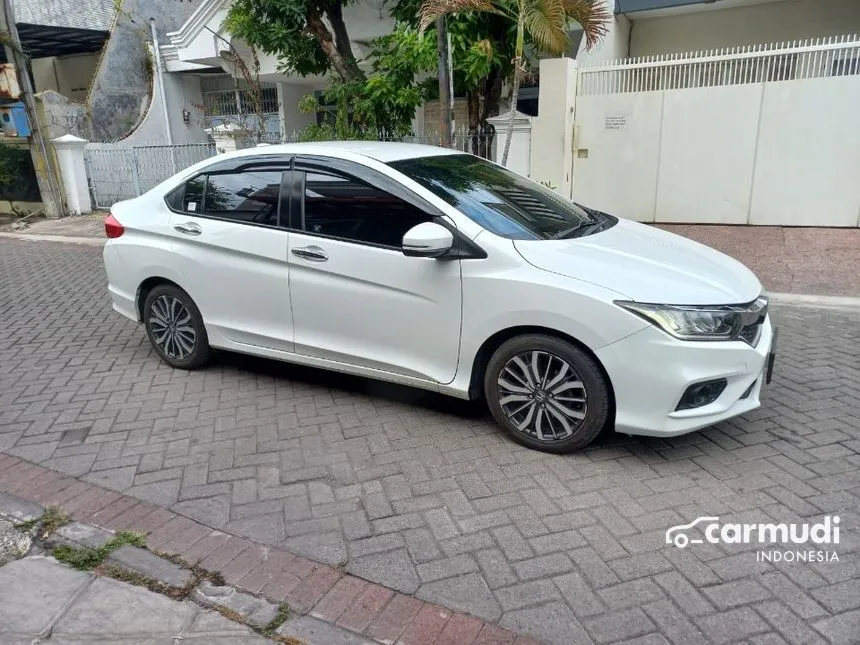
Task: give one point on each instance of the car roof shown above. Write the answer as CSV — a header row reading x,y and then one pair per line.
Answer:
x,y
383,151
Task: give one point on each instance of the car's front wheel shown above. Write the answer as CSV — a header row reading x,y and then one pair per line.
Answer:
x,y
175,327
547,393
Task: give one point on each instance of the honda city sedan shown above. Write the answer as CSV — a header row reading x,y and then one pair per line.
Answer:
x,y
437,269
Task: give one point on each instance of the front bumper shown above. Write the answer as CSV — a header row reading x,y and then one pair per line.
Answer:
x,y
650,371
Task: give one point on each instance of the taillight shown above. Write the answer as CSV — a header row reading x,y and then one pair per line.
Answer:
x,y
112,227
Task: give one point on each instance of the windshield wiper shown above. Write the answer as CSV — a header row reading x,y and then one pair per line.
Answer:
x,y
591,221
567,231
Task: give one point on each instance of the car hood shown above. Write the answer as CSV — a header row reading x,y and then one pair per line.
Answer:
x,y
646,264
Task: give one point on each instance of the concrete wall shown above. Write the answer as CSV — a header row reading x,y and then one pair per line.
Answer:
x,y
763,23
183,93
123,87
291,119
69,75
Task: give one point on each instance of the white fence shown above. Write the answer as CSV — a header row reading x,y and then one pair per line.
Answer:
x,y
752,135
117,173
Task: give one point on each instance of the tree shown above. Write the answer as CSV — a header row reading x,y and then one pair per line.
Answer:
x,y
308,36
545,22
482,50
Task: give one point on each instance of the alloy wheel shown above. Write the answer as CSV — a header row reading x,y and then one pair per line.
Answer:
x,y
171,326
542,396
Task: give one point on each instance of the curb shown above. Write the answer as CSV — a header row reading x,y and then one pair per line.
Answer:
x,y
68,239
810,300
266,573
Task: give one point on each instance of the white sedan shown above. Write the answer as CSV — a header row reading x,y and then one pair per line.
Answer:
x,y
440,270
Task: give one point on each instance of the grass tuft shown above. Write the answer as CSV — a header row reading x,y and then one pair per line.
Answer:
x,y
277,621
52,519
46,524
88,559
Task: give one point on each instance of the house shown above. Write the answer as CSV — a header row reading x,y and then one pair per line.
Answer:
x,y
197,51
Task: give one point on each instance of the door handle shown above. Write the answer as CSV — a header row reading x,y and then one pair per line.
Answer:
x,y
313,253
189,228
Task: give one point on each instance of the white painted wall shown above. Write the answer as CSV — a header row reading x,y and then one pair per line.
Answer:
x,y
707,154
292,120
762,23
519,155
808,166
183,93
552,129
777,152
614,44
617,154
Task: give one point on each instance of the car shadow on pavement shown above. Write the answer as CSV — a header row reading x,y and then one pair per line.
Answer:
x,y
394,393
350,384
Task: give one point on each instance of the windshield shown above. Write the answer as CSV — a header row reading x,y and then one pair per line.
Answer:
x,y
500,200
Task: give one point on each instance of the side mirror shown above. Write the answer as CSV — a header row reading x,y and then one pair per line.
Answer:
x,y
427,240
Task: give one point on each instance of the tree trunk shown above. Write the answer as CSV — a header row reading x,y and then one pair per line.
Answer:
x,y
473,112
445,98
347,69
341,38
492,101
515,91
515,88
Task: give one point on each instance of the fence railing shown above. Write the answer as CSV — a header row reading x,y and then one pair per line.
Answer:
x,y
802,59
115,174
480,144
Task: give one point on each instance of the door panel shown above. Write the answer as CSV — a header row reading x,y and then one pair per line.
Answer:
x,y
237,272
375,307
355,297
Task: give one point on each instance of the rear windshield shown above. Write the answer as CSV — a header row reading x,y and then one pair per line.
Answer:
x,y
501,200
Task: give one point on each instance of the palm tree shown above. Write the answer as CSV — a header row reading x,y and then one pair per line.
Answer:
x,y
545,21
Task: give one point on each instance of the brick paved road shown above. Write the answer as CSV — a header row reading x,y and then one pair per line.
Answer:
x,y
422,494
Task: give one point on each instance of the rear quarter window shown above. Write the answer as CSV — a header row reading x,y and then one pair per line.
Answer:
x,y
188,197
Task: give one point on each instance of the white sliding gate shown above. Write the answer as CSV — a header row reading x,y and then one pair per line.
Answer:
x,y
751,135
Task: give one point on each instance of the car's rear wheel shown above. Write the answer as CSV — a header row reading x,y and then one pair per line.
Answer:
x,y
547,393
175,327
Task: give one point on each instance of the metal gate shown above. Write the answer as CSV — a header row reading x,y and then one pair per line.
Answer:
x,y
117,173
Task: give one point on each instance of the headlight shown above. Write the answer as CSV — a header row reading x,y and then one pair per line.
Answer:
x,y
701,322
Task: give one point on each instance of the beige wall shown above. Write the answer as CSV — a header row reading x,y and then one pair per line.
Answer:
x,y
69,75
431,115
763,23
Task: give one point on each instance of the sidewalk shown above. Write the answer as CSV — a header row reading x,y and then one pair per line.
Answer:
x,y
132,596
42,600
812,261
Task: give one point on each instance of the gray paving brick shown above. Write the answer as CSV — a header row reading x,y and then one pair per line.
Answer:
x,y
422,547
732,626
527,594
543,566
841,629
630,594
738,592
446,568
495,568
618,625
790,626
578,595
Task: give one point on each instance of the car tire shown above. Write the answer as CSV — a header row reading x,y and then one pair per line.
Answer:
x,y
532,385
175,328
